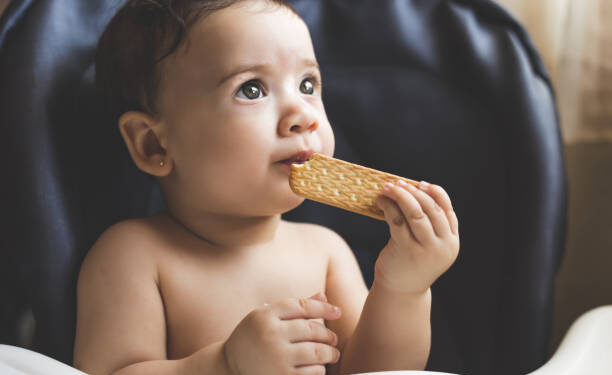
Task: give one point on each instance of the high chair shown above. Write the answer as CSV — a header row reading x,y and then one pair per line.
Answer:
x,y
448,91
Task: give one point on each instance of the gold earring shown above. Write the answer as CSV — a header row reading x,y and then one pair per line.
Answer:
x,y
161,163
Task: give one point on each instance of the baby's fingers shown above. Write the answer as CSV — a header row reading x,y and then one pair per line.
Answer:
x,y
400,230
437,216
305,308
418,220
443,200
302,330
312,353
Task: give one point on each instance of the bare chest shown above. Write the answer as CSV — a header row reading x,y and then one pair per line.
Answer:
x,y
205,301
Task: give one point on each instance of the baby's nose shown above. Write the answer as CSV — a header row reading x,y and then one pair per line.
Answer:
x,y
297,117
297,122
299,128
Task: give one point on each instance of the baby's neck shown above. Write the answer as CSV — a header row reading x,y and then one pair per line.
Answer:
x,y
231,232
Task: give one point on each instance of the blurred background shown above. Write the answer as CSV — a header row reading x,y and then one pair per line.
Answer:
x,y
574,38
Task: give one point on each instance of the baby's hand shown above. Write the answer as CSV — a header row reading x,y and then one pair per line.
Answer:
x,y
424,236
280,339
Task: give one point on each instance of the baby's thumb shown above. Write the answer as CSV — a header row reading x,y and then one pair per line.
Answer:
x,y
320,296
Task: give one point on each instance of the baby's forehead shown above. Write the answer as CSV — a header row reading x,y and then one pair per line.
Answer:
x,y
247,20
253,34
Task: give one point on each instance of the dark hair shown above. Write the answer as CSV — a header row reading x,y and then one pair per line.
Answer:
x,y
140,35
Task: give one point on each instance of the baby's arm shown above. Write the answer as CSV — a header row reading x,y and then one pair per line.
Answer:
x,y
377,331
393,331
121,327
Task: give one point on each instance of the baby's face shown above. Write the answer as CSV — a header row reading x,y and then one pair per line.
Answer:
x,y
240,97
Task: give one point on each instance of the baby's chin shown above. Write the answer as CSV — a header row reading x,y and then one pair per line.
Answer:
x,y
291,203
271,201
288,203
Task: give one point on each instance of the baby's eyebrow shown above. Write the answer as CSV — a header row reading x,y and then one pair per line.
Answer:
x,y
310,63
242,69
260,67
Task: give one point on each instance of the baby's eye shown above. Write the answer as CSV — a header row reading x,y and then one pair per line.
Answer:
x,y
307,86
250,90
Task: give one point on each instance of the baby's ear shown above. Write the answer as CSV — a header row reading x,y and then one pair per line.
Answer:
x,y
145,140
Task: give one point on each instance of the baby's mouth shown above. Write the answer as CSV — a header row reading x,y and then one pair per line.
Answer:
x,y
299,158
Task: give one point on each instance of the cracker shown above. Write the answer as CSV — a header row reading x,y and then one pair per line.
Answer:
x,y
341,184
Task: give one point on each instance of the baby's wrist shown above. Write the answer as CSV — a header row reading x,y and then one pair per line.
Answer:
x,y
211,359
399,298
385,287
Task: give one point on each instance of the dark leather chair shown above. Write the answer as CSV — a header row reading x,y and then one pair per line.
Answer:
x,y
449,91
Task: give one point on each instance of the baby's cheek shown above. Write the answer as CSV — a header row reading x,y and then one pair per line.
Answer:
x,y
327,139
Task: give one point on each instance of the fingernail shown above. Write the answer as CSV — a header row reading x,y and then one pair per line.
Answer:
x,y
402,182
423,185
387,187
336,309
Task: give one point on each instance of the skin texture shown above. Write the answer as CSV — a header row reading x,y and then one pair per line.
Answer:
x,y
219,284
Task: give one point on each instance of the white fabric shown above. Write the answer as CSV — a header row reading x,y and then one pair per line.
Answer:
x,y
6,370
586,348
19,361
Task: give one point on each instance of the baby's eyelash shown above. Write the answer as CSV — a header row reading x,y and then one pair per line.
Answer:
x,y
255,81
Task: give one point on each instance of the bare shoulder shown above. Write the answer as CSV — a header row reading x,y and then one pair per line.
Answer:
x,y
120,316
126,243
127,251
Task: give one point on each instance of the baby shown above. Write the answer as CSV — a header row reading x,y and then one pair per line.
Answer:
x,y
215,99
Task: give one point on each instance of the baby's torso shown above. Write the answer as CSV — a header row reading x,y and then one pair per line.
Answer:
x,y
205,296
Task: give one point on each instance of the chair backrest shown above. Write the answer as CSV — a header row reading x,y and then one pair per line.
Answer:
x,y
449,91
